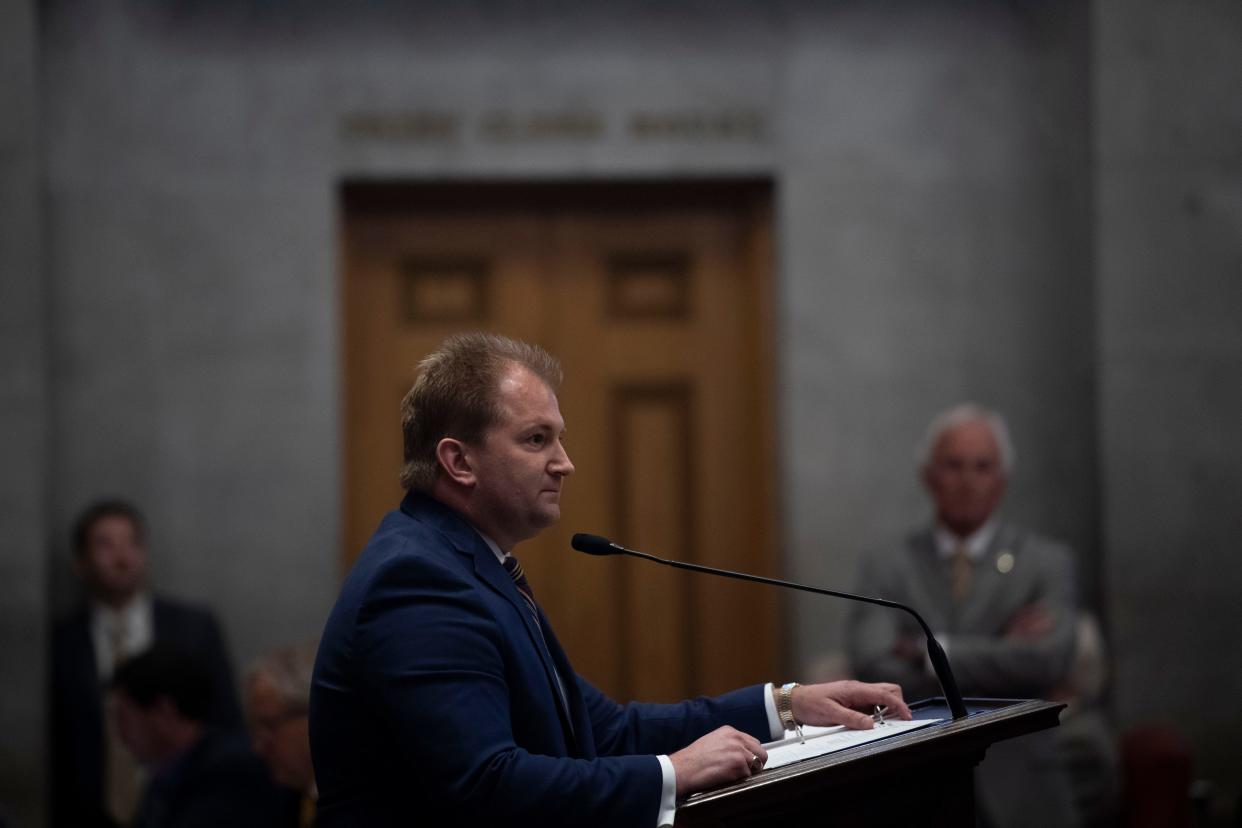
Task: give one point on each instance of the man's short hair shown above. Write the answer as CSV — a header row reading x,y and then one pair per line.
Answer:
x,y
289,669
960,415
457,395
167,671
101,509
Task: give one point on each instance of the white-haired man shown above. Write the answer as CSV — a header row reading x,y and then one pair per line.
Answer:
x,y
1000,598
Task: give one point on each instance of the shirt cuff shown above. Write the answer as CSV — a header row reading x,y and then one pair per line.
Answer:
x,y
774,721
668,793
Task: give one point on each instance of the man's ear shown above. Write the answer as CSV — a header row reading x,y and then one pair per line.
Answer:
x,y
452,457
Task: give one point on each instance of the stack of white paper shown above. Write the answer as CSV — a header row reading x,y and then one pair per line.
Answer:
x,y
821,740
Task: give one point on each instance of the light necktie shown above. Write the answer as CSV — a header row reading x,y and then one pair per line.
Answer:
x,y
306,811
123,776
962,572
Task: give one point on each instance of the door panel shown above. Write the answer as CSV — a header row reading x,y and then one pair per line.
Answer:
x,y
659,316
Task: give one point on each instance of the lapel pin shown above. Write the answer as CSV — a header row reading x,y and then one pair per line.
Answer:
x,y
1004,562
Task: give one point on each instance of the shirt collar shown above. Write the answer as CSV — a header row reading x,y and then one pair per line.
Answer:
x,y
492,545
133,615
135,619
976,545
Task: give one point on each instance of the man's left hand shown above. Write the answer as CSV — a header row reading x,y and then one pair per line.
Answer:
x,y
840,703
1031,623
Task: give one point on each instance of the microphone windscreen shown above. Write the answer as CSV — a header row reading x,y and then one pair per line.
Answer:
x,y
592,544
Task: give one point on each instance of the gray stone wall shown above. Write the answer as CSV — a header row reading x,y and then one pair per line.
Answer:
x,y
933,210
935,223
1033,205
194,356
24,409
1168,91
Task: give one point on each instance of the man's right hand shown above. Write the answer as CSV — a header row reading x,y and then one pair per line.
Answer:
x,y
725,755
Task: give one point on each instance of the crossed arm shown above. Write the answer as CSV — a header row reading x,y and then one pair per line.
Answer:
x,y
1028,652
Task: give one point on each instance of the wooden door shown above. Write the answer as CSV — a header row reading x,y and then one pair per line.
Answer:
x,y
658,310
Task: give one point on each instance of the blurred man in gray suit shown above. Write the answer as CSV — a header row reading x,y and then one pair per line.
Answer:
x,y
999,598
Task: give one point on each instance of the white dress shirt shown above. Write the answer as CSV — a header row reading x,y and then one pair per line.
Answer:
x,y
976,544
947,545
136,623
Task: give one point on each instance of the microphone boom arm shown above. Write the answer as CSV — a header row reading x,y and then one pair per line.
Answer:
x,y
939,661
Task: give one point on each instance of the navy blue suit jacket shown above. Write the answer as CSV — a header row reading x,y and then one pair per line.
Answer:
x,y
434,699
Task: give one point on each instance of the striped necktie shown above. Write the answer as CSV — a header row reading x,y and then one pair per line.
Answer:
x,y
519,580
514,568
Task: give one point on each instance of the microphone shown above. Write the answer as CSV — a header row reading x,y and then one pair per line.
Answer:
x,y
597,545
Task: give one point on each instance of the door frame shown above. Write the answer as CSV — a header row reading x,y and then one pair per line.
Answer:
x,y
753,196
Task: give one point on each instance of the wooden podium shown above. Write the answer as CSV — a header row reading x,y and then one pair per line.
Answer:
x,y
918,777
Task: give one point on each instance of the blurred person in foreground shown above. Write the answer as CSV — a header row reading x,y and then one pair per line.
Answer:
x,y
198,775
94,781
277,698
441,693
1000,599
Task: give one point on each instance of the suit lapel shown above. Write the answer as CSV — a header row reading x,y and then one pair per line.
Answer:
x,y
489,570
468,543
580,733
993,588
160,622
87,693
82,650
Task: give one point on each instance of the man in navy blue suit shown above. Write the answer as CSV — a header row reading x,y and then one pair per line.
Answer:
x,y
440,692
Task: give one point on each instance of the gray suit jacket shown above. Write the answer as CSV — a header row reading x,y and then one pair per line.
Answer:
x,y
1021,781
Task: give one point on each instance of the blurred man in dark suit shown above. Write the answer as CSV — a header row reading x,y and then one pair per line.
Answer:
x,y
94,780
199,776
